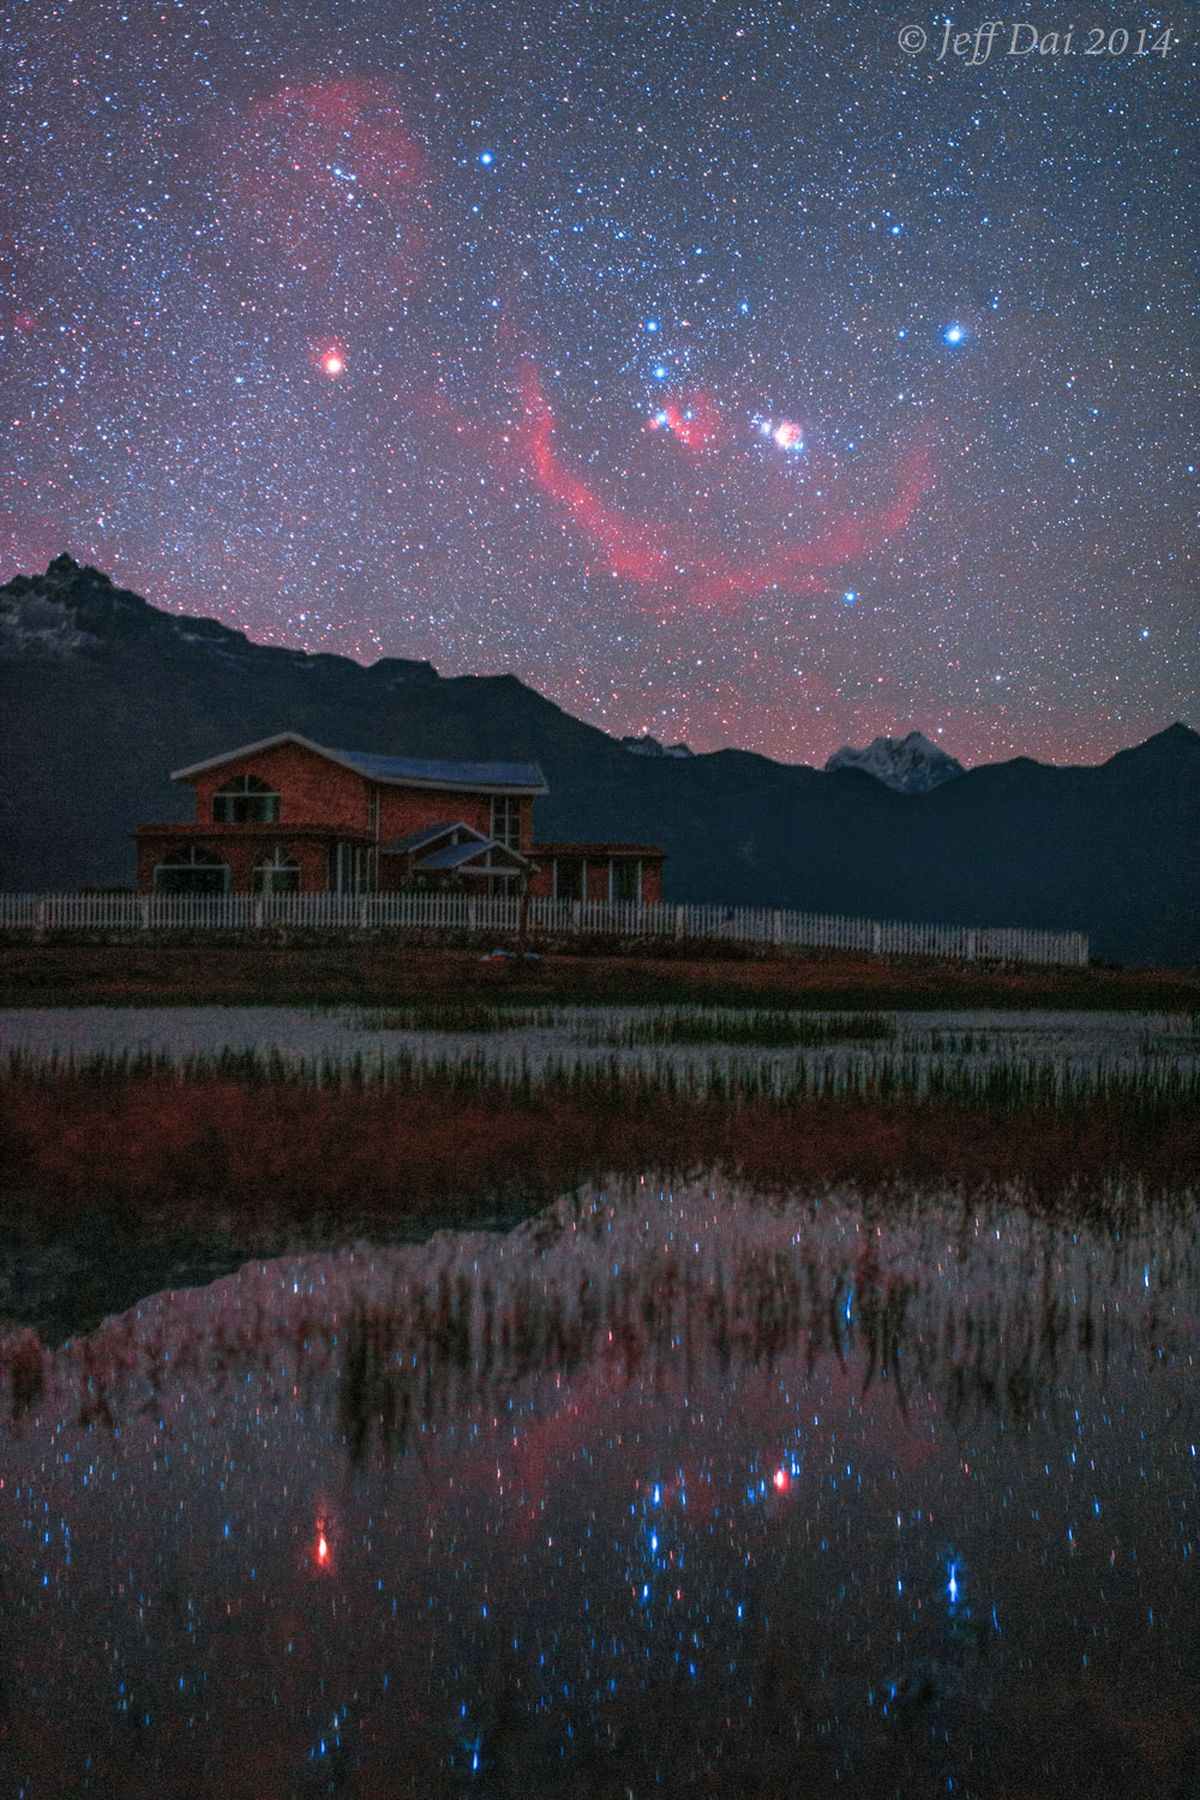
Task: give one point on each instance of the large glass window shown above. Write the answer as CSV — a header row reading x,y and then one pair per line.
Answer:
x,y
568,878
191,870
277,874
506,821
349,868
246,800
624,883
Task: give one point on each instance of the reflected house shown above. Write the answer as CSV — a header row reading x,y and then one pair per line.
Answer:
x,y
288,816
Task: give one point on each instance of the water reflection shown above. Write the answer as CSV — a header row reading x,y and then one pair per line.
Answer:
x,y
662,1492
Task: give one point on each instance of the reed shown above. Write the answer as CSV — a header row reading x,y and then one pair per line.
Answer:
x,y
1007,1336
768,1029
397,1137
462,1016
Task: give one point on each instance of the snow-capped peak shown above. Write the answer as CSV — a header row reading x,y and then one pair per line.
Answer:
x,y
911,765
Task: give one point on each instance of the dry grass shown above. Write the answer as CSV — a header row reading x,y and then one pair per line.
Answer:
x,y
382,973
250,1137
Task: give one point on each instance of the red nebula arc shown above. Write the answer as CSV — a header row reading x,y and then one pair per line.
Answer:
x,y
666,555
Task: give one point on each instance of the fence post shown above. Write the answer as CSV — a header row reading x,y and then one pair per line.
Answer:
x,y
40,913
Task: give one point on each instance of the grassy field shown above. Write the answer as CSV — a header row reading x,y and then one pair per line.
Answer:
x,y
381,974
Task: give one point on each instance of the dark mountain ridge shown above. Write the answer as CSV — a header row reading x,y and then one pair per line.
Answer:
x,y
102,694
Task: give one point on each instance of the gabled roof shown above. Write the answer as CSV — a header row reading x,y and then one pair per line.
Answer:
x,y
453,856
396,771
429,835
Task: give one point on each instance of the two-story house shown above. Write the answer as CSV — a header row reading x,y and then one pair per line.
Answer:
x,y
286,815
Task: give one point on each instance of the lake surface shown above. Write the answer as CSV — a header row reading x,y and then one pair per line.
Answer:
x,y
1081,1042
662,1492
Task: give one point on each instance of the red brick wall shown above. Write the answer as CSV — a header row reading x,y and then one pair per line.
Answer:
x,y
405,810
312,790
241,853
315,791
541,887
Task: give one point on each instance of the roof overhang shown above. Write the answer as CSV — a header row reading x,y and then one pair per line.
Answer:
x,y
469,785
457,859
457,829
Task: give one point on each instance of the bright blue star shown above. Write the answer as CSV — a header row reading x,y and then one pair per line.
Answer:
x,y
652,326
954,334
487,158
895,230
850,596
660,371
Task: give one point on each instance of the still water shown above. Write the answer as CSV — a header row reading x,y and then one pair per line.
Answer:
x,y
663,1492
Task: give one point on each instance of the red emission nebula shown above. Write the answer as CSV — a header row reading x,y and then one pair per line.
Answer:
x,y
327,179
687,560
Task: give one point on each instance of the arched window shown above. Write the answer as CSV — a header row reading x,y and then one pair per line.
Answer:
x,y
246,800
191,870
276,874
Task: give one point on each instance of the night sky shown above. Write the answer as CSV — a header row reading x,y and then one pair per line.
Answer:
x,y
723,371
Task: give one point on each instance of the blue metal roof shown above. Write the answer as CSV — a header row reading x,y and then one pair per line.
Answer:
x,y
429,835
518,777
405,771
451,856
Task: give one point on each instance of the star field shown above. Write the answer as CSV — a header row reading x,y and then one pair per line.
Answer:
x,y
724,372
665,1482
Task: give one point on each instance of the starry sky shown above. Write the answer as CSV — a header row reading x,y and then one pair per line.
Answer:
x,y
725,371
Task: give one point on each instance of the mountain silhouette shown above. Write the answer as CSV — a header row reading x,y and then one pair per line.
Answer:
x,y
102,694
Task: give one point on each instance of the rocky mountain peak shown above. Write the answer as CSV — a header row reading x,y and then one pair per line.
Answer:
x,y
910,765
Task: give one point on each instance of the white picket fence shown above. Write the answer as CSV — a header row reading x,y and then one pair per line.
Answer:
x,y
538,918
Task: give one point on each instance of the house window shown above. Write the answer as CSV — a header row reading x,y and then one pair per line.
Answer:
x,y
506,821
277,875
373,808
246,800
568,878
625,879
191,870
349,867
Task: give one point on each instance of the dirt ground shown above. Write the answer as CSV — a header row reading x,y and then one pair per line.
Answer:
x,y
378,972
